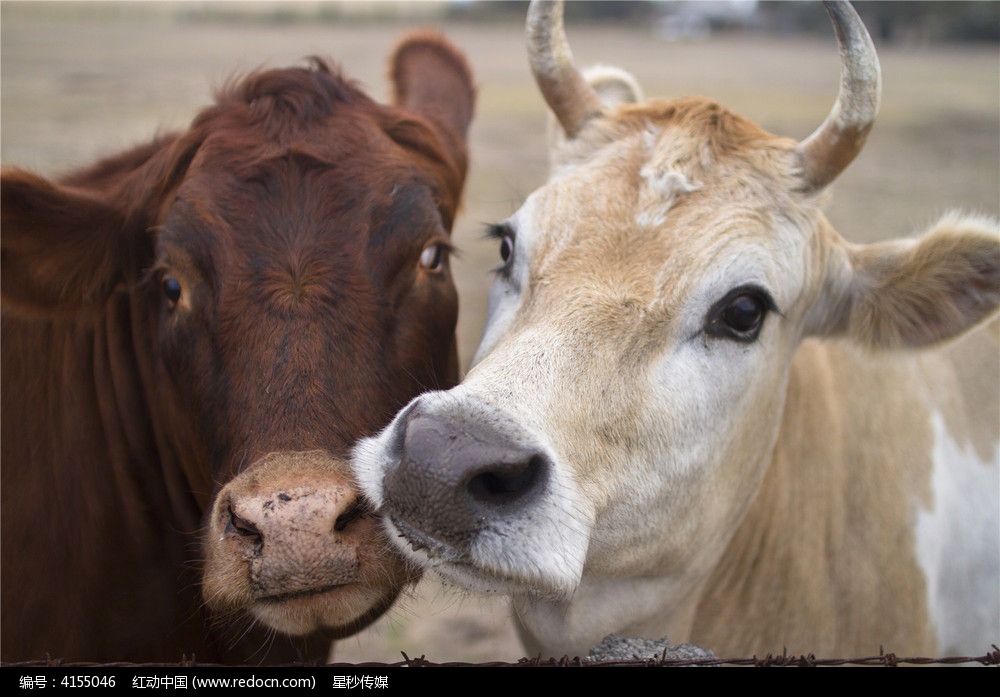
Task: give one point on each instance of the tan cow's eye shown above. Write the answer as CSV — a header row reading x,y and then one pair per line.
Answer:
x,y
433,257
740,314
744,314
505,234
506,248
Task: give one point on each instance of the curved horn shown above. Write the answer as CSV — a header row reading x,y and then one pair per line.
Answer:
x,y
571,98
828,151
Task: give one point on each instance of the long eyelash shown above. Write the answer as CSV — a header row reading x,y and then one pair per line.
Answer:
x,y
497,231
772,306
451,249
752,289
151,276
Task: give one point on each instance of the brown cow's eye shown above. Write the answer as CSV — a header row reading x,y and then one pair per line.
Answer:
x,y
433,256
740,314
171,290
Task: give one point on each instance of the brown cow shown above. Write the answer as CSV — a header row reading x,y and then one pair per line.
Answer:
x,y
195,332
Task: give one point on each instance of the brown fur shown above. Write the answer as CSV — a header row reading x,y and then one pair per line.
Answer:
x,y
293,212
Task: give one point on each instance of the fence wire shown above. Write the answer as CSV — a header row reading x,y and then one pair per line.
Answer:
x,y
883,659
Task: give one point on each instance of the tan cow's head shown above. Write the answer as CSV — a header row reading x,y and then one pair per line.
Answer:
x,y
629,387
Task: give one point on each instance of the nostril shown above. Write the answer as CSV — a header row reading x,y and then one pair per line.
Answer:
x,y
506,482
235,525
359,509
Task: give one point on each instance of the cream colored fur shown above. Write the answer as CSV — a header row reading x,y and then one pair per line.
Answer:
x,y
753,496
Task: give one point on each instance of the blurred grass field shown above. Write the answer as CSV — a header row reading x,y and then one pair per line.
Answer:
x,y
81,80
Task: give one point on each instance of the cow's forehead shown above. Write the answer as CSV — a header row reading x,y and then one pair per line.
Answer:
x,y
366,153
666,204
694,135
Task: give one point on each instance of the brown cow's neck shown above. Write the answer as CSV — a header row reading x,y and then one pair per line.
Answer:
x,y
84,427
81,462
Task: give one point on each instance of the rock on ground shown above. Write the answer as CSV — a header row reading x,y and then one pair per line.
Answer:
x,y
616,648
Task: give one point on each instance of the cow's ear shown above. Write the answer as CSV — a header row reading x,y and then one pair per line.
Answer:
x,y
614,86
432,78
912,293
65,246
60,247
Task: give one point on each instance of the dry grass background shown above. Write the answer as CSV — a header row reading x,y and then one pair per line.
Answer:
x,y
81,80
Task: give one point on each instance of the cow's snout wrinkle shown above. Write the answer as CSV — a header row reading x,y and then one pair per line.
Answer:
x,y
359,509
244,531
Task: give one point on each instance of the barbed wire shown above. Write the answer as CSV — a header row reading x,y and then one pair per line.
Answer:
x,y
885,659
784,660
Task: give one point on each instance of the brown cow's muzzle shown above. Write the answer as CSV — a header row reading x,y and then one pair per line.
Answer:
x,y
291,542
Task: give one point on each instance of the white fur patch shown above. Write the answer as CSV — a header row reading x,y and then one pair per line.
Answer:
x,y
958,546
668,182
664,185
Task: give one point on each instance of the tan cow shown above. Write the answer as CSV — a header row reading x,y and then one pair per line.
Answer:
x,y
698,412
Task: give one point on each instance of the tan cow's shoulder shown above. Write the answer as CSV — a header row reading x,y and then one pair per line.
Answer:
x,y
974,363
853,463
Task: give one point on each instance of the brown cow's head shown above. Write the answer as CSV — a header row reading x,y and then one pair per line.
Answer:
x,y
284,264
